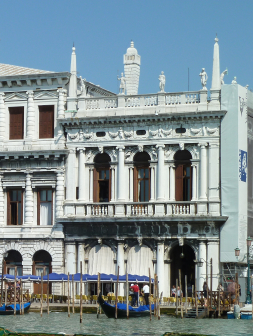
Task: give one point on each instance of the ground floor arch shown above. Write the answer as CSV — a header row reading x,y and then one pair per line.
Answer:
x,y
139,260
12,261
42,264
182,258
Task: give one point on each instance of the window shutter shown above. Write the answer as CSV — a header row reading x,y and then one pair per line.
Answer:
x,y
16,122
8,209
95,186
46,121
179,183
135,185
38,207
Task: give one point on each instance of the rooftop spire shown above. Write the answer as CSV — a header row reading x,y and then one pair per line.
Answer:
x,y
216,83
72,94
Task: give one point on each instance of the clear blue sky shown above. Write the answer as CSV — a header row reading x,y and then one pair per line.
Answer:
x,y
169,35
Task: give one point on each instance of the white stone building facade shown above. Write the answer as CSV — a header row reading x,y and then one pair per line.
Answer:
x,y
111,180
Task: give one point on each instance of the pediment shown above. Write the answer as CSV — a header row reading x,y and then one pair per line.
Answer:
x,y
16,96
45,95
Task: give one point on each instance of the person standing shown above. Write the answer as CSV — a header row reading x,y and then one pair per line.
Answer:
x,y
146,294
136,289
173,291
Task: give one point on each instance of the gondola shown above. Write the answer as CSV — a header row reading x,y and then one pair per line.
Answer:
x,y
109,310
9,309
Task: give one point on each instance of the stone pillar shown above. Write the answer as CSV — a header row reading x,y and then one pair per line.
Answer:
x,y
71,176
2,117
81,175
160,265
91,185
152,184
80,258
213,252
70,257
30,116
202,269
203,171
2,223
112,183
121,175
61,103
194,181
121,264
59,195
172,182
214,171
28,200
131,184
160,169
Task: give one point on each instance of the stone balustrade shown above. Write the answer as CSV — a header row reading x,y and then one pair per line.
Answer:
x,y
130,209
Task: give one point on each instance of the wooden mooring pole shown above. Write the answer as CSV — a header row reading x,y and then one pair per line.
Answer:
x,y
48,293
196,298
73,295
176,297
127,295
211,282
41,297
181,301
98,292
150,310
186,294
81,293
117,291
68,298
15,290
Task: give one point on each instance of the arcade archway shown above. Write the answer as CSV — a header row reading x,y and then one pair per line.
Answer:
x,y
182,257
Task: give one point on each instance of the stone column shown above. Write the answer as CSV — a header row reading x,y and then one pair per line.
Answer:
x,y
203,171
160,265
121,176
194,181
172,182
30,116
121,264
71,176
59,195
28,200
2,222
202,269
112,183
81,175
213,252
91,185
70,257
2,117
160,169
131,184
214,171
61,102
80,258
152,184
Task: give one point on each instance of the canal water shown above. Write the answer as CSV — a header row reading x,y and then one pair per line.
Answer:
x,y
61,323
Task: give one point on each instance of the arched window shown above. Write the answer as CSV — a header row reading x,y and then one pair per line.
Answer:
x,y
41,264
141,177
102,178
183,183
12,261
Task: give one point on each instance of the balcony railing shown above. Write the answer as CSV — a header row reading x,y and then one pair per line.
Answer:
x,y
146,209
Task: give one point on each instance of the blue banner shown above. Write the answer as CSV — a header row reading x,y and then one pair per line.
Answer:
x,y
242,165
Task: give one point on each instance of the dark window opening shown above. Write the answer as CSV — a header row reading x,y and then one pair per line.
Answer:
x,y
46,121
15,207
45,202
100,134
183,172
140,132
180,130
16,123
141,177
102,178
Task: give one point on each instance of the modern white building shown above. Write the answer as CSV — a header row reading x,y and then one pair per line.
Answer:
x,y
156,181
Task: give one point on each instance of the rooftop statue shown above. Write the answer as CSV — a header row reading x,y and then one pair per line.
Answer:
x,y
203,79
234,81
122,86
162,81
225,72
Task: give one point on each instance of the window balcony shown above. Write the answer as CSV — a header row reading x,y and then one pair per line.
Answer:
x,y
137,209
